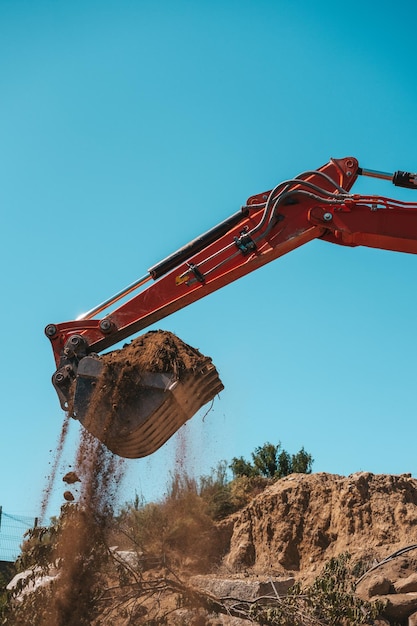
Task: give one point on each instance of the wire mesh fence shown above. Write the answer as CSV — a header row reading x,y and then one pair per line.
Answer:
x,y
12,529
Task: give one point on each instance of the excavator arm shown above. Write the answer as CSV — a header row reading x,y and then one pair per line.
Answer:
x,y
314,205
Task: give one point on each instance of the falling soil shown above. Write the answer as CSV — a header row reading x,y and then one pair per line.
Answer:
x,y
80,550
51,478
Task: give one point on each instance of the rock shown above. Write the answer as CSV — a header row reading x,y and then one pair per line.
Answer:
x,y
30,580
405,585
373,585
68,496
399,605
243,588
129,557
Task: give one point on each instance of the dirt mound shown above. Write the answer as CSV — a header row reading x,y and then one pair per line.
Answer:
x,y
146,391
288,532
155,351
302,521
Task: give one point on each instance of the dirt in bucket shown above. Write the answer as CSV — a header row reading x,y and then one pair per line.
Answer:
x,y
146,391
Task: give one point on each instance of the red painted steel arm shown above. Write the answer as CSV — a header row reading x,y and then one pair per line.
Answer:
x,y
316,204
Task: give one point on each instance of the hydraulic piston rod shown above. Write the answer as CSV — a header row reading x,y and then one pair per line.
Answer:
x,y
399,178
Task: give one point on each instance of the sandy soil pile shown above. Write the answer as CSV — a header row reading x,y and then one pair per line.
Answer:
x,y
302,521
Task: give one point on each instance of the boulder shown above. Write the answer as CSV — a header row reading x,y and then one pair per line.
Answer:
x,y
406,585
373,585
399,605
242,588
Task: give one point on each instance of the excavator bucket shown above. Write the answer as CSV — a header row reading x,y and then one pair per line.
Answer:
x,y
136,398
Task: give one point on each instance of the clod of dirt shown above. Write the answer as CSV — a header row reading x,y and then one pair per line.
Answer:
x,y
156,351
70,478
147,391
68,496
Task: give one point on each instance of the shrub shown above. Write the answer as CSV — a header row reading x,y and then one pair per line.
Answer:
x,y
272,461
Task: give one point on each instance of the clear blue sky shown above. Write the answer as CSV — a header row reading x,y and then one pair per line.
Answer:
x,y
127,128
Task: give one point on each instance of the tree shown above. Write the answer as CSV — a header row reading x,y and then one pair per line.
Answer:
x,y
284,464
240,467
265,459
302,462
272,461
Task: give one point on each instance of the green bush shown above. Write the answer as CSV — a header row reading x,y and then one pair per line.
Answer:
x,y
329,600
272,461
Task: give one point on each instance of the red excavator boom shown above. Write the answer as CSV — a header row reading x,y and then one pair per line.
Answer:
x,y
314,205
